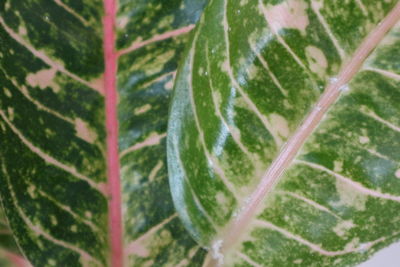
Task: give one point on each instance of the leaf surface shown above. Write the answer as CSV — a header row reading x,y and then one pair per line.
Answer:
x,y
9,253
53,158
284,132
154,234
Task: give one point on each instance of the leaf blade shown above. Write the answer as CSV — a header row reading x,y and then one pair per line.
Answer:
x,y
185,134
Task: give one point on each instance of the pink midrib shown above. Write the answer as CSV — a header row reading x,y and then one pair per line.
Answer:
x,y
232,233
114,184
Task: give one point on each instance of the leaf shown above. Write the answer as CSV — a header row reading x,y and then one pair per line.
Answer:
x,y
284,132
9,252
60,186
154,235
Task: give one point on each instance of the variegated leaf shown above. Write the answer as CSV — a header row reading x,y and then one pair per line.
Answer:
x,y
154,235
59,159
284,132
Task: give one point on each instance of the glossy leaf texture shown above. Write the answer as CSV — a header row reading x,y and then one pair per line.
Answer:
x,y
151,37
53,132
263,171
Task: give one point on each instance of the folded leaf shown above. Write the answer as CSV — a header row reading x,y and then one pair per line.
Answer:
x,y
284,132
59,159
154,235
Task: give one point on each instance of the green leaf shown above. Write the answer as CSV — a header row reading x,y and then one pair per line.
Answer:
x,y
53,157
9,252
154,235
284,132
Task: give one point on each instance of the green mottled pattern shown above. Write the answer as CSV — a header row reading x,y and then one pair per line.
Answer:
x,y
52,135
342,191
247,82
154,235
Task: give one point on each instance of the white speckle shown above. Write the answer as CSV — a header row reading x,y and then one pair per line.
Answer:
x,y
213,51
344,88
397,173
363,247
363,139
238,11
216,252
333,80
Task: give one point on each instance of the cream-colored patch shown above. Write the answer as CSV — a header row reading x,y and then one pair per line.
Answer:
x,y
84,132
342,228
353,244
201,71
338,166
221,199
155,170
153,65
397,173
88,214
98,84
122,22
7,92
317,60
53,220
280,124
244,2
225,66
74,228
290,14
10,112
43,79
22,30
139,249
252,71
363,139
32,191
142,109
169,85
298,261
350,197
